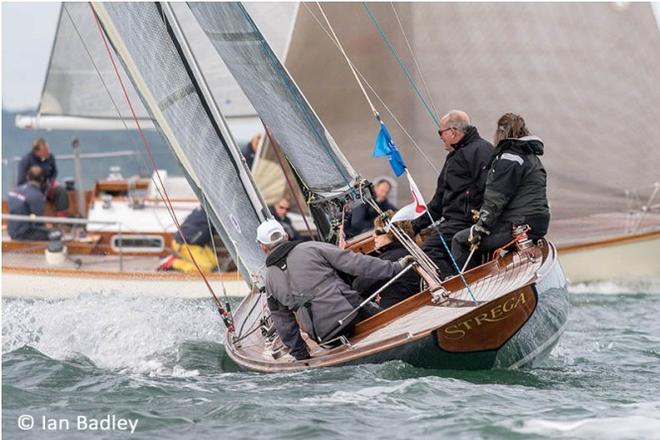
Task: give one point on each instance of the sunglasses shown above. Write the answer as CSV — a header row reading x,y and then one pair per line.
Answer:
x,y
380,231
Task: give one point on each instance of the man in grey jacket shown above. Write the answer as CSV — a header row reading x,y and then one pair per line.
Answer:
x,y
303,282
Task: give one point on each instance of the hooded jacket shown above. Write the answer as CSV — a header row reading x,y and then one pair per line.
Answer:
x,y
460,184
306,282
516,186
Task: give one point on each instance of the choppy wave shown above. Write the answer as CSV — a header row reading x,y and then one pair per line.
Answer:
x,y
642,286
114,331
160,360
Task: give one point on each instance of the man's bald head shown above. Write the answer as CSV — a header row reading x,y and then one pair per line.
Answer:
x,y
453,126
457,119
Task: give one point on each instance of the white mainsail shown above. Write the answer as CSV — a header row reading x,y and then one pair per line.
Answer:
x,y
81,90
586,77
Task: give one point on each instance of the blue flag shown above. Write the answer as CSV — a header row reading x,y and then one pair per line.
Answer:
x,y
385,147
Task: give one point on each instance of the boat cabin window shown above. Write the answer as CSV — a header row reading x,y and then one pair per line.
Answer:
x,y
137,243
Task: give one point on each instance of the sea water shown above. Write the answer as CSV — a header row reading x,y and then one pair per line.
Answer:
x,y
139,368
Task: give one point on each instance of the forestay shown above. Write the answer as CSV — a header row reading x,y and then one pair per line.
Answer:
x,y
285,111
175,94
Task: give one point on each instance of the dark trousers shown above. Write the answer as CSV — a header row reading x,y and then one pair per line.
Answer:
x,y
58,195
460,247
437,252
36,233
502,234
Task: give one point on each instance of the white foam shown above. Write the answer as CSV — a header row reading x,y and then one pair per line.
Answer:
x,y
614,287
632,426
116,332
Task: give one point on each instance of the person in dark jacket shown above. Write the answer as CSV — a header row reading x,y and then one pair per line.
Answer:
x,y
460,186
280,211
305,289
515,191
27,199
194,238
41,157
362,217
249,150
389,248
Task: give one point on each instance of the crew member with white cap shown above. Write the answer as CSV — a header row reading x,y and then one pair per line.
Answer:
x,y
303,281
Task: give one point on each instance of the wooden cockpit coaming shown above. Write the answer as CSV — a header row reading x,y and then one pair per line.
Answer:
x,y
409,322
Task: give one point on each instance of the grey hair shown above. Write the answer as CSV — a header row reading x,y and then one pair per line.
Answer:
x,y
275,238
457,119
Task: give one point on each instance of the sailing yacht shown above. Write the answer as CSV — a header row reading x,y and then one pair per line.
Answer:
x,y
125,228
508,312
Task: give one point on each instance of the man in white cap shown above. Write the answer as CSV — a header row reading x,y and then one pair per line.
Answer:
x,y
303,281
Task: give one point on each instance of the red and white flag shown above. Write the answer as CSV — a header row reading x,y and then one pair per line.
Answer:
x,y
414,209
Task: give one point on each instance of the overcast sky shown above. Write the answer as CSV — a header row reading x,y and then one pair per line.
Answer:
x,y
27,36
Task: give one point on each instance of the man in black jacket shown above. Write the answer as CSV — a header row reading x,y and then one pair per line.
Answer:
x,y
363,216
41,157
515,192
460,186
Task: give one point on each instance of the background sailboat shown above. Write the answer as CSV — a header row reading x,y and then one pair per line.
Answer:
x,y
584,75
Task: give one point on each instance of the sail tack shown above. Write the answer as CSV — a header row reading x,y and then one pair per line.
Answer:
x,y
170,87
284,110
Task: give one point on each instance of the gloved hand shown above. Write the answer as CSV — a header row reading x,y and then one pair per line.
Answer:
x,y
477,233
301,355
406,261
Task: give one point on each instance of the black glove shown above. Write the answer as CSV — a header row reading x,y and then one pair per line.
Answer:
x,y
406,261
477,233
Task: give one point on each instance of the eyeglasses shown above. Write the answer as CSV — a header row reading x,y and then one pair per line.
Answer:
x,y
446,129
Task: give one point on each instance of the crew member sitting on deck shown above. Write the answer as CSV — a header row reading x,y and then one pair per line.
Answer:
x,y
280,211
198,242
362,217
302,281
389,248
459,189
515,192
41,157
28,199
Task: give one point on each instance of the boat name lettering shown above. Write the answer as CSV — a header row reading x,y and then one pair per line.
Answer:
x,y
497,313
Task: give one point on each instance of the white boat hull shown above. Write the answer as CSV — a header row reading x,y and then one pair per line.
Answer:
x,y
623,258
49,283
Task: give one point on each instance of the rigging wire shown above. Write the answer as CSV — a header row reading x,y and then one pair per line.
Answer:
x,y
382,102
401,65
414,58
350,65
226,316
